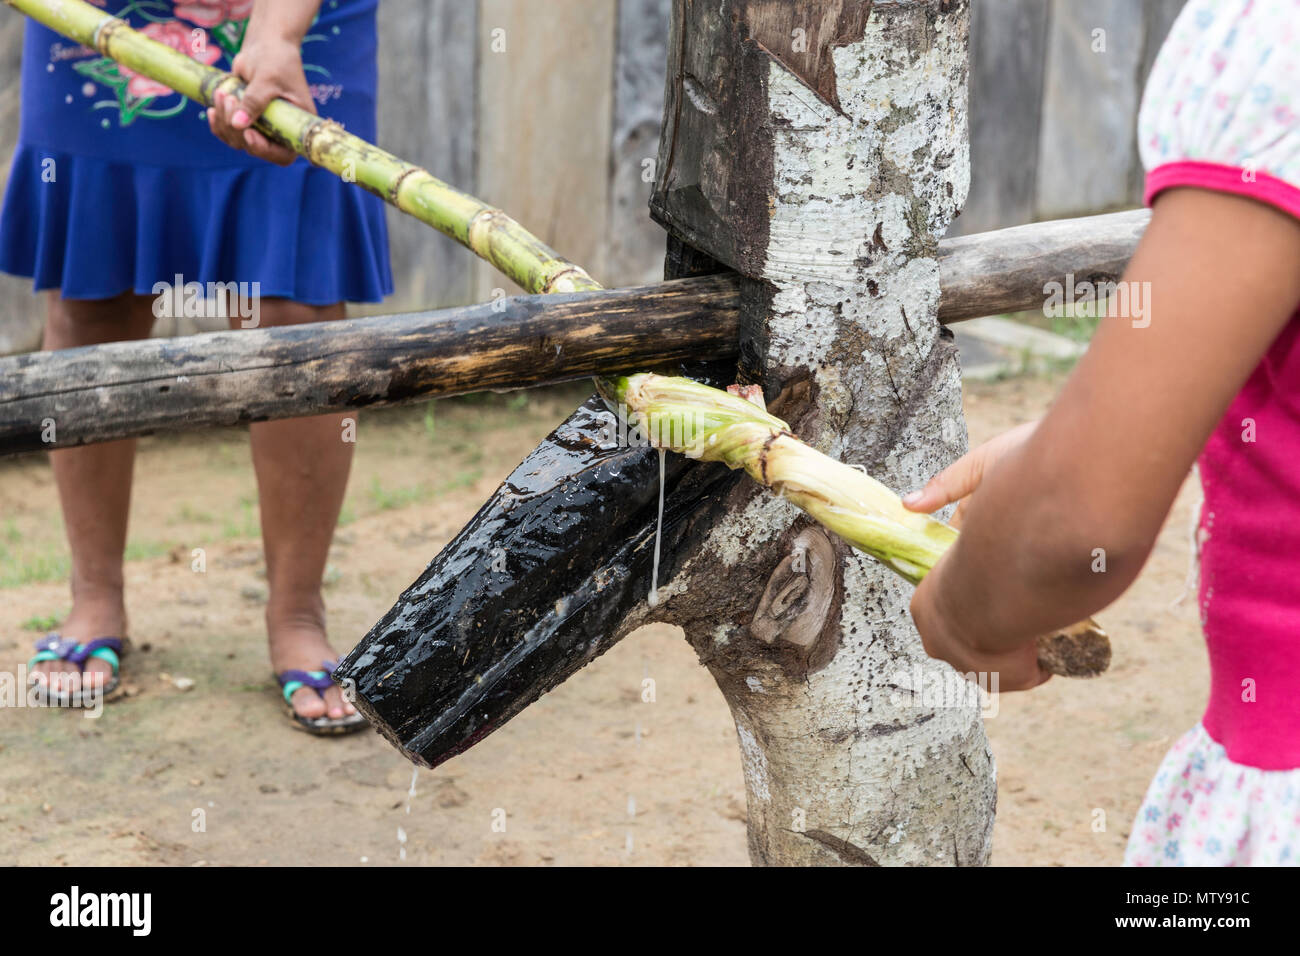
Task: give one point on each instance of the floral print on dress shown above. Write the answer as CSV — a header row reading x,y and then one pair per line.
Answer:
x,y
211,13
174,35
1225,88
1204,810
205,30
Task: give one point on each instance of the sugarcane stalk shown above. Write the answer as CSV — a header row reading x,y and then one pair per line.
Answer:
x,y
485,230
709,424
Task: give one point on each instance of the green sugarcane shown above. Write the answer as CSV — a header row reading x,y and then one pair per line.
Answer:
x,y
485,230
712,425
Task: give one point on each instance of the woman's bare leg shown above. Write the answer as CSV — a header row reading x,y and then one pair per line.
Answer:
x,y
94,485
302,467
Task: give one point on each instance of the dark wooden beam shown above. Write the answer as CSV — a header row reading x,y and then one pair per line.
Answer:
x,y
126,389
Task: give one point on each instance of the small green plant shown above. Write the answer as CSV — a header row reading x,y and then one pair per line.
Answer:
x,y
144,550
465,478
190,515
20,570
43,623
246,525
430,424
388,499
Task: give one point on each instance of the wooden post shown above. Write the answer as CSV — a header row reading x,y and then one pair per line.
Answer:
x,y
820,150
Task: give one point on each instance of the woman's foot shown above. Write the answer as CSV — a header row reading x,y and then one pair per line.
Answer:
x,y
94,483
91,618
298,642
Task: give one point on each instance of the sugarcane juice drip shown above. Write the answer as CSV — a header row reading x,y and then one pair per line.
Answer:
x,y
410,795
653,599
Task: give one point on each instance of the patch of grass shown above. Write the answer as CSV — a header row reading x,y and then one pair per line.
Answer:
x,y
245,524
388,499
379,497
1029,365
53,563
227,454
372,587
472,449
462,479
146,549
190,515
43,624
1079,327
19,570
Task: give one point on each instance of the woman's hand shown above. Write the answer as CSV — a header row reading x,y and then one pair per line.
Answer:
x,y
958,480
272,67
1017,668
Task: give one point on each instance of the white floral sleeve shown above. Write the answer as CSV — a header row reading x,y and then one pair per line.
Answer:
x,y
1222,105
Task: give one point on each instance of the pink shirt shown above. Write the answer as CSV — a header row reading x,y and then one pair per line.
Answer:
x,y
1219,114
1250,564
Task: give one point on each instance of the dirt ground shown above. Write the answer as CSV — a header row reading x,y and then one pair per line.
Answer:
x,y
213,774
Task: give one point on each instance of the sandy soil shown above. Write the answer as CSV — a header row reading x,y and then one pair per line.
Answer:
x,y
589,775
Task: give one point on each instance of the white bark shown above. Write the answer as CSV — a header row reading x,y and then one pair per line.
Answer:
x,y
841,764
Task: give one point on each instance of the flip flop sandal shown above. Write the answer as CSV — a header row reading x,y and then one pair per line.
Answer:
x,y
292,680
54,647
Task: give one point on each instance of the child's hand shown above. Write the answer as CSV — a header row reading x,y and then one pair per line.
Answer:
x,y
1016,668
271,68
958,480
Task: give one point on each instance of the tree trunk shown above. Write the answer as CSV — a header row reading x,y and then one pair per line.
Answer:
x,y
820,150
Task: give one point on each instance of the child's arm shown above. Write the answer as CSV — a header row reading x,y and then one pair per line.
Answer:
x,y
270,62
1102,468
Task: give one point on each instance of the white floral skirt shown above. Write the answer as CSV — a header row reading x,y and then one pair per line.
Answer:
x,y
1204,810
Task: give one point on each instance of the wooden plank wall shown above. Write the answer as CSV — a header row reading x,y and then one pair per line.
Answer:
x,y
428,85
20,311
546,105
1055,89
636,244
561,128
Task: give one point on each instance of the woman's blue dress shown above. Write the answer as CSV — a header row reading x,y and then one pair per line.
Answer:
x,y
117,183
